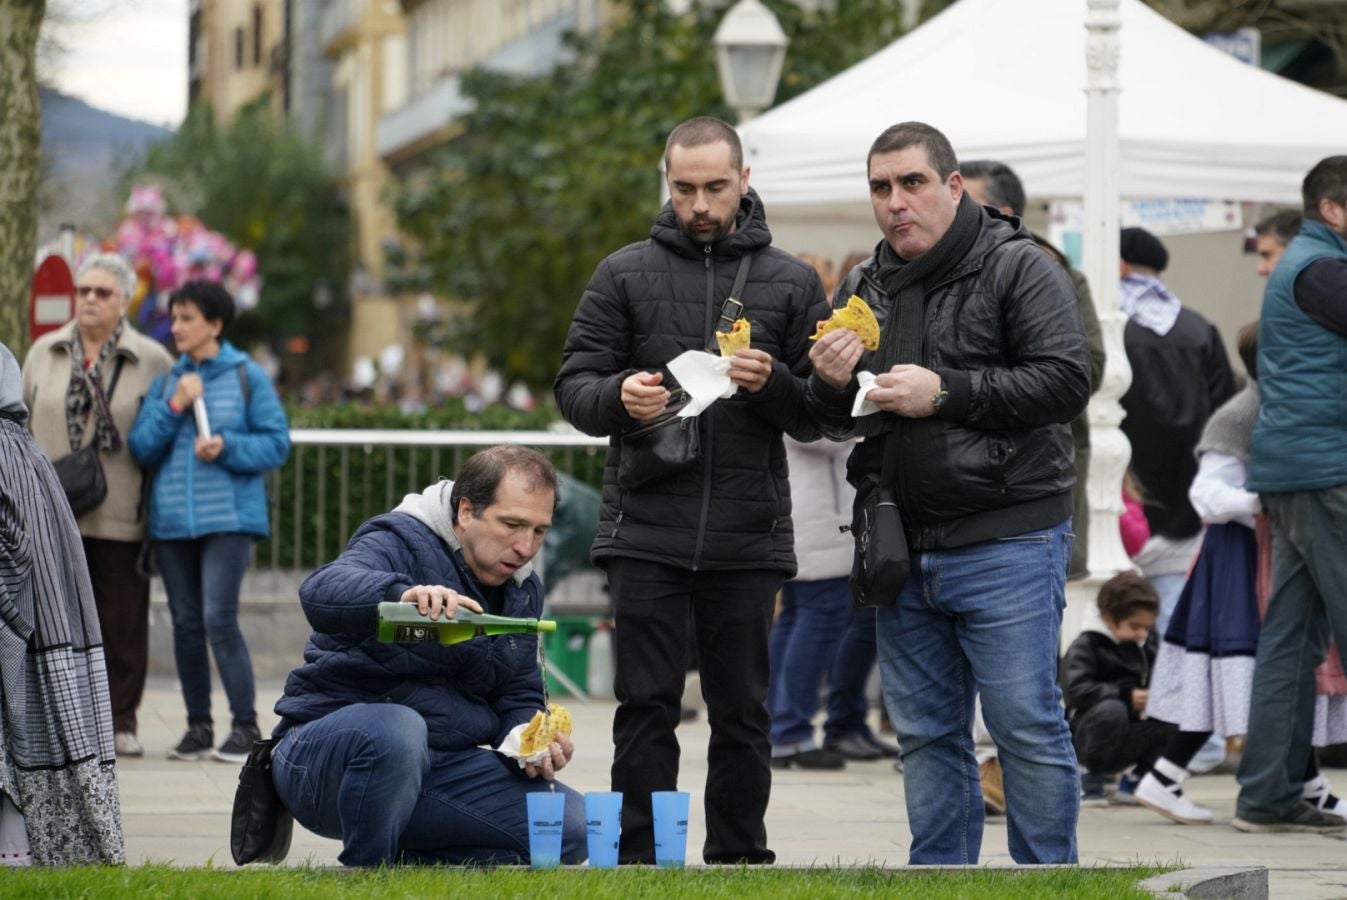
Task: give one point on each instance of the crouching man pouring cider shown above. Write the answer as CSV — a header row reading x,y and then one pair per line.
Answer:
x,y
389,746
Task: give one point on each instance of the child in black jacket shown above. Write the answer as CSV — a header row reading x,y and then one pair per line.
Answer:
x,y
1104,679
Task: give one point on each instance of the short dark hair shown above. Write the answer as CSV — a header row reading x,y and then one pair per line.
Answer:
x,y
939,151
210,297
705,130
1283,226
1004,187
481,475
1326,181
1127,593
1246,342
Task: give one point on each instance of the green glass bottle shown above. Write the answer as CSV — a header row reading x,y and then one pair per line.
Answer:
x,y
403,623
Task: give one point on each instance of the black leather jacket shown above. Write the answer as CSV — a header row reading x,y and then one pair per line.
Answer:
x,y
1004,333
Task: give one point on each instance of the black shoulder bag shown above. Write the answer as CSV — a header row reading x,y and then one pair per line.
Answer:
x,y
81,472
668,445
882,564
259,827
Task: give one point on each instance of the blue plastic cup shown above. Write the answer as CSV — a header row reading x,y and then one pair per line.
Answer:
x,y
670,810
603,825
547,812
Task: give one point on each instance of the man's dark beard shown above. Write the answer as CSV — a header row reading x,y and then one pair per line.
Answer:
x,y
720,230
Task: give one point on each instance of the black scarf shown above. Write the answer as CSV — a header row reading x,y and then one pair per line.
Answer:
x,y
905,284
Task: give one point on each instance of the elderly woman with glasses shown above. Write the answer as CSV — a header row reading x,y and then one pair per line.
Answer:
x,y
82,384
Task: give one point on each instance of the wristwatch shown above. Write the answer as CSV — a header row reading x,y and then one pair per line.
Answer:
x,y
939,400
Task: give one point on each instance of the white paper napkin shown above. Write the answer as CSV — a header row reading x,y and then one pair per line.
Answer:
x,y
862,406
513,743
705,377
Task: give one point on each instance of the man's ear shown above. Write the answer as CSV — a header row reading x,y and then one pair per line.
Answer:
x,y
955,186
464,511
743,182
1335,214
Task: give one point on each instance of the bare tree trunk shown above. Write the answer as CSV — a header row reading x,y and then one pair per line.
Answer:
x,y
20,143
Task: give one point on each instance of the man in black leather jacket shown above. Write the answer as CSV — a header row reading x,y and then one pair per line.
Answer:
x,y
713,542
978,401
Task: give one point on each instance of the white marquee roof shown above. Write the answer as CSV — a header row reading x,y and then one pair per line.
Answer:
x,y
1004,79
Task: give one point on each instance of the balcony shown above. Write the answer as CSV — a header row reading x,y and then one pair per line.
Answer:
x,y
338,22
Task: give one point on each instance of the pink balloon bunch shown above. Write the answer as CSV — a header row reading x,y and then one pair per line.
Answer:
x,y
174,250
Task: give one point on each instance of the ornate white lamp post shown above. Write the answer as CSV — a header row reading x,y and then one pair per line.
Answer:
x,y
1110,451
750,48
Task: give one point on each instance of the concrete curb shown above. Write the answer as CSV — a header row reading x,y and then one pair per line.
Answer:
x,y
1249,883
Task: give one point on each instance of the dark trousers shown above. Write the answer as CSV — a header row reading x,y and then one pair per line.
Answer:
x,y
1108,739
732,615
122,596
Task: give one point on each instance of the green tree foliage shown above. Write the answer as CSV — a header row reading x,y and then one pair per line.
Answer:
x,y
265,188
20,137
554,173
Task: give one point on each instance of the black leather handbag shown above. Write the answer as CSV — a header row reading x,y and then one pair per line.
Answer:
x,y
659,448
259,827
81,473
881,563
82,479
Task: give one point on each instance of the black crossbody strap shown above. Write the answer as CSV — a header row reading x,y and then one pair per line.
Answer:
x,y
732,308
741,277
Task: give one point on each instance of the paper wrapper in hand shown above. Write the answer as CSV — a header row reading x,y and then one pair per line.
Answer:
x,y
528,742
704,377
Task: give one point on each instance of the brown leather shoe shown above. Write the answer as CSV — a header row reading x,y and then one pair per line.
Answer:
x,y
993,795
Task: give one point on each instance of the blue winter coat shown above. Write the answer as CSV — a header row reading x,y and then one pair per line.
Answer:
x,y
469,694
191,498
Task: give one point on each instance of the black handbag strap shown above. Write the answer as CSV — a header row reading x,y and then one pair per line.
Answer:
x,y
102,409
911,309
733,306
741,277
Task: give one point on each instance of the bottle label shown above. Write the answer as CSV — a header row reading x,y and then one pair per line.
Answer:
x,y
415,634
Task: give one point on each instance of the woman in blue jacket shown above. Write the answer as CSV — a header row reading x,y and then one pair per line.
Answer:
x,y
208,505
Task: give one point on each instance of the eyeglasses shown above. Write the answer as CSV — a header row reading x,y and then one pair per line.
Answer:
x,y
102,293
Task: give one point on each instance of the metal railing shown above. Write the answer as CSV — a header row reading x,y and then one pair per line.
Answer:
x,y
337,478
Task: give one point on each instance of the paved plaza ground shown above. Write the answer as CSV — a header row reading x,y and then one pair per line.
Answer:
x,y
178,812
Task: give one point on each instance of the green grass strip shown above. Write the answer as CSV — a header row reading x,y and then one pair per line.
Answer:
x,y
164,882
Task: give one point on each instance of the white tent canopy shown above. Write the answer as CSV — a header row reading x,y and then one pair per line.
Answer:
x,y
1005,80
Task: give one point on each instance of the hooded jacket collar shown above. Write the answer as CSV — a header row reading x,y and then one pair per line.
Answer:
x,y
750,232
431,508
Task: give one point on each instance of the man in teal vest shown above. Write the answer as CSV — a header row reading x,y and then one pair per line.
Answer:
x,y
1299,467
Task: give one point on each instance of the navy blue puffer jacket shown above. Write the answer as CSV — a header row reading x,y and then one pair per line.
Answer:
x,y
470,694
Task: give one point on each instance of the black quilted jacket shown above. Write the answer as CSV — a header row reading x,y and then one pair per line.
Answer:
x,y
646,304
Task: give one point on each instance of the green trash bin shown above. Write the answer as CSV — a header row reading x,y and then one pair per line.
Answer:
x,y
567,651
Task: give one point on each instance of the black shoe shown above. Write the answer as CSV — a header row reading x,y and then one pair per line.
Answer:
x,y
1306,819
239,744
853,746
195,744
810,759
887,750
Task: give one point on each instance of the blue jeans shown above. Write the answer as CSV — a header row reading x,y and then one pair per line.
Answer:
x,y
365,775
850,674
1307,606
202,578
818,631
983,618
802,647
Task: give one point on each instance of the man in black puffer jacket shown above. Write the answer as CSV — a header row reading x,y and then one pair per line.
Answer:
x,y
977,400
713,542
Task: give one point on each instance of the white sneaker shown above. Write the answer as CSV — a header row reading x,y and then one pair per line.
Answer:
x,y
1168,801
125,743
1319,793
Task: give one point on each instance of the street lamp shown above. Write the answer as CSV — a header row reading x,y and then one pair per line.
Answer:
x,y
750,48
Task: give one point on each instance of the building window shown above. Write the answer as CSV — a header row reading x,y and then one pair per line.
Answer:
x,y
238,49
257,34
